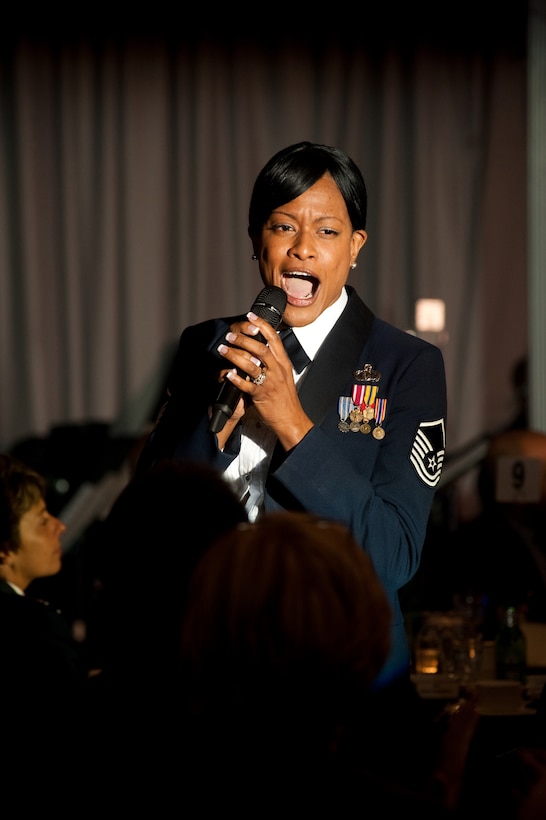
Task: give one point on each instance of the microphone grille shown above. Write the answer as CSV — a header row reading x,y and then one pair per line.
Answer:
x,y
270,305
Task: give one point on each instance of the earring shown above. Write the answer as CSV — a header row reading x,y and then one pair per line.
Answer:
x,y
353,266
254,257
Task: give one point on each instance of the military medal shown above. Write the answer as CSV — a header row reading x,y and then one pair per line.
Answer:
x,y
380,410
343,405
365,428
357,414
358,398
370,392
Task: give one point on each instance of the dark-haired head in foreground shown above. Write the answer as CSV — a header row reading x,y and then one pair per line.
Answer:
x,y
286,629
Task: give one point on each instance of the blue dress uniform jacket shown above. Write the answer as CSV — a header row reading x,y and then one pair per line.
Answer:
x,y
381,488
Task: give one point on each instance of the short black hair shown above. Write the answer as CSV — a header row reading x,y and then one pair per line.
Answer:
x,y
20,488
293,170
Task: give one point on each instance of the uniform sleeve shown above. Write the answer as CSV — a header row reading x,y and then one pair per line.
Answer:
x,y
181,429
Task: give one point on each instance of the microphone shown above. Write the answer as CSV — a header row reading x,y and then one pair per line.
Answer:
x,y
269,305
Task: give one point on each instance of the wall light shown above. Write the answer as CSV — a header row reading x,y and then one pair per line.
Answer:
x,y
430,315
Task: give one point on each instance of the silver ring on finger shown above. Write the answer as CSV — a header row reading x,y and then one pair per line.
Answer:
x,y
260,379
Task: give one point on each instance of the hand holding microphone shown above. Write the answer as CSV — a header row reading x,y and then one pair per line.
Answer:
x,y
269,305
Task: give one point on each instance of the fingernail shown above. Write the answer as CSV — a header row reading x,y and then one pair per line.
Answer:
x,y
231,336
222,349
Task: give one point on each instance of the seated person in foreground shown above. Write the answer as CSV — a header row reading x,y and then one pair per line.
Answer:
x,y
146,551
144,554
286,627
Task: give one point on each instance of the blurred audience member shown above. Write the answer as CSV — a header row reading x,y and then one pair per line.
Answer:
x,y
147,548
500,556
36,644
511,783
145,552
41,674
531,804
286,627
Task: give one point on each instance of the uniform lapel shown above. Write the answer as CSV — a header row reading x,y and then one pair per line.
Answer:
x,y
336,359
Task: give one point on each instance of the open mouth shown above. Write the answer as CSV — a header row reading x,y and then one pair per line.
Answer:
x,y
299,286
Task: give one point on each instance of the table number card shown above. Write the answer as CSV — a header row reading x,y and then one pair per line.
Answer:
x,y
518,480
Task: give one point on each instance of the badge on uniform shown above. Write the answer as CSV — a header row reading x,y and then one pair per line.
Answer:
x,y
428,451
367,374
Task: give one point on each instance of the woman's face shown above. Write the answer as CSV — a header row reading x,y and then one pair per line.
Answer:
x,y
39,554
307,247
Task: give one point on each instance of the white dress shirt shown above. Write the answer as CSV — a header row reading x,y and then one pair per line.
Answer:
x,y
15,588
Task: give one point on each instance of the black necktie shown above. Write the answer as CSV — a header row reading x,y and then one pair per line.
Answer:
x,y
298,356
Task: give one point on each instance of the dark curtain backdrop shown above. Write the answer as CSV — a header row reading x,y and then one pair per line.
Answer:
x,y
127,157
